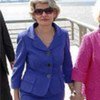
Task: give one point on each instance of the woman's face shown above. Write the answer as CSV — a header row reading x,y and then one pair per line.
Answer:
x,y
43,14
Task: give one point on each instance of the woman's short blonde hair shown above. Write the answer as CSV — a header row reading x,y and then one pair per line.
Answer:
x,y
51,4
96,11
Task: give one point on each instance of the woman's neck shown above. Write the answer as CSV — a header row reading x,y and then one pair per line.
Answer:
x,y
45,29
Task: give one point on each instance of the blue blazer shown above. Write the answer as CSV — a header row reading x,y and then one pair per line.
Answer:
x,y
46,68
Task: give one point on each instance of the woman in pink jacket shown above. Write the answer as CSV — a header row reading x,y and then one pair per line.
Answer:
x,y
87,67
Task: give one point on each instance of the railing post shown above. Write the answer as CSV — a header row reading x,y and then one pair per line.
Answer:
x,y
82,31
72,30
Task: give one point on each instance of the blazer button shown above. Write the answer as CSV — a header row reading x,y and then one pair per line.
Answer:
x,y
49,65
49,76
48,53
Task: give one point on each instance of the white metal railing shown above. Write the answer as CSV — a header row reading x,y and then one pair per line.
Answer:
x,y
76,29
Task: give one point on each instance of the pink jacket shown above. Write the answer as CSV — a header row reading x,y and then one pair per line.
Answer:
x,y
87,66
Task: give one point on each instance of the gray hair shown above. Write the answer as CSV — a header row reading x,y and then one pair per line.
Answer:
x,y
96,11
51,4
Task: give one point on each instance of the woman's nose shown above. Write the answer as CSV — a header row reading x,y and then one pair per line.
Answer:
x,y
44,14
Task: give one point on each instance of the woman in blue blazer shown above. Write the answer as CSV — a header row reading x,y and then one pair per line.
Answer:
x,y
44,47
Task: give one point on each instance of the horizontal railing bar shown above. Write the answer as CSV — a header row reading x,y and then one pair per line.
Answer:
x,y
81,23
59,19
75,28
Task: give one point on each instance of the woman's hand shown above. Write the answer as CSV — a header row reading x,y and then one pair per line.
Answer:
x,y
76,96
16,94
76,93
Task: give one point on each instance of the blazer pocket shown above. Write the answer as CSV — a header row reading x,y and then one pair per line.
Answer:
x,y
56,85
27,83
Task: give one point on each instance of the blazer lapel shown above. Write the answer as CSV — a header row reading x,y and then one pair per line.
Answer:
x,y
57,38
39,44
36,41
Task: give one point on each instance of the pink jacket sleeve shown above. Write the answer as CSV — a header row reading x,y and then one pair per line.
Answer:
x,y
83,61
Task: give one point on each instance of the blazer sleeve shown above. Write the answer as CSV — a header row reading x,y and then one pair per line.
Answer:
x,y
6,40
20,59
83,61
67,64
